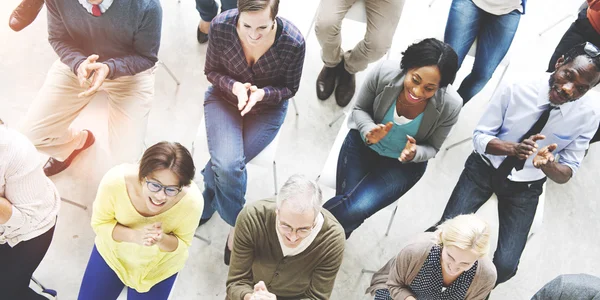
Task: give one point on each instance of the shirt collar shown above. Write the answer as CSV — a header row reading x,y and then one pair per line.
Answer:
x,y
543,99
103,6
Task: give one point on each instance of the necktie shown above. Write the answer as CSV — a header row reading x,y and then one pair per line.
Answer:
x,y
511,162
96,12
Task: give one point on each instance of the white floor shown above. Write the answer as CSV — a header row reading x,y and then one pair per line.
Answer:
x,y
567,243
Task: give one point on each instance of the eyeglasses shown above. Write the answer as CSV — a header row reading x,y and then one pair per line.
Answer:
x,y
591,50
301,232
155,187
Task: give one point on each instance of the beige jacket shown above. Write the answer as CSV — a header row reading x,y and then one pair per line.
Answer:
x,y
400,271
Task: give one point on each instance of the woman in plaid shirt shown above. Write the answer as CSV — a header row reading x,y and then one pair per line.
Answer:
x,y
254,62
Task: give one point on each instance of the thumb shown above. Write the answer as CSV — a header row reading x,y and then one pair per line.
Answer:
x,y
388,126
410,139
260,286
93,57
247,85
552,147
538,137
253,88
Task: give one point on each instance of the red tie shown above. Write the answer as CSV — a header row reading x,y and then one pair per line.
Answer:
x,y
96,12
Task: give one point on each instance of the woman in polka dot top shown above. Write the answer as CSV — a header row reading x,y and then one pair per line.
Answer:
x,y
449,264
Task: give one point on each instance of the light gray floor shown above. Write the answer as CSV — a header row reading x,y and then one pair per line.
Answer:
x,y
567,243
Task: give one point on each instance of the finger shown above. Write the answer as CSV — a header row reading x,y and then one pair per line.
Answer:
x,y
248,107
552,147
93,58
537,137
411,139
551,158
253,88
260,286
247,85
389,126
242,99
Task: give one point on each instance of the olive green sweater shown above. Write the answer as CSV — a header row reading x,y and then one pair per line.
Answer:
x,y
257,256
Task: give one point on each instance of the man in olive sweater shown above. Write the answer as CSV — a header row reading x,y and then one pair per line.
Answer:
x,y
290,248
103,45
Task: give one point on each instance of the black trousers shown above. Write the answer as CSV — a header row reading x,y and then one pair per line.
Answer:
x,y
18,263
581,31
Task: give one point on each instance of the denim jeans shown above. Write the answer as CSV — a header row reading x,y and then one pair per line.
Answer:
x,y
517,202
494,35
209,9
367,182
233,141
100,282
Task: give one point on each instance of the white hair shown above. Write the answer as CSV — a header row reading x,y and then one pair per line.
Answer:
x,y
301,194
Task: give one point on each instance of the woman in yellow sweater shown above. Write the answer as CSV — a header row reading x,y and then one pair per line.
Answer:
x,y
144,217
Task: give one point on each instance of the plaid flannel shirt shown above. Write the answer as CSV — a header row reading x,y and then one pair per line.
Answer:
x,y
277,72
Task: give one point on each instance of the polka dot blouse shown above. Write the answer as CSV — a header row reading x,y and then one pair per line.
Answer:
x,y
428,285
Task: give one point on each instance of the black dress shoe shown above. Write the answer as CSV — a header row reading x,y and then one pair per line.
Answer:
x,y
326,82
54,166
227,253
24,14
201,36
345,87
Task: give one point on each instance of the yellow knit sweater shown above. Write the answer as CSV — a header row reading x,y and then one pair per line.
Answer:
x,y
141,267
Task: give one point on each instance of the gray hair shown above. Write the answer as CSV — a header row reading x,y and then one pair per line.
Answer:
x,y
301,193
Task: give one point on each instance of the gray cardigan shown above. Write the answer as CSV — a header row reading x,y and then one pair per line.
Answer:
x,y
381,89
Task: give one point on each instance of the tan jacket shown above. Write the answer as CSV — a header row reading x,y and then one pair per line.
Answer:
x,y
400,271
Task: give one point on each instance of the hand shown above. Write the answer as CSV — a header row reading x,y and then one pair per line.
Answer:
x,y
378,133
261,292
528,146
409,150
100,72
544,156
240,90
153,234
256,95
83,72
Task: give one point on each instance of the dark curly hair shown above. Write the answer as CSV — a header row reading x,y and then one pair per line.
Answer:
x,y
432,52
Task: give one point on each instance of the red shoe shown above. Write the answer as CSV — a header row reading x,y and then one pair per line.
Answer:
x,y
24,14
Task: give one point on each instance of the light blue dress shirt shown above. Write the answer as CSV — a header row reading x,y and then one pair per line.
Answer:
x,y
518,104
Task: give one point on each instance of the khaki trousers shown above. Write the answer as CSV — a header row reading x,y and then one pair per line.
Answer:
x,y
382,20
48,120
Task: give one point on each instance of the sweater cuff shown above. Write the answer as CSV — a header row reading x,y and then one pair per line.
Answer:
x,y
17,219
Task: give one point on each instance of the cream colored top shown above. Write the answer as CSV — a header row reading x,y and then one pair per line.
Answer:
x,y
34,198
499,7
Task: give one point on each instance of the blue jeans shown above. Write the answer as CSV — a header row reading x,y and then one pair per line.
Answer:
x,y
209,9
101,283
517,202
233,141
366,182
494,35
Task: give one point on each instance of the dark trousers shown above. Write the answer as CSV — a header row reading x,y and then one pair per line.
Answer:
x,y
517,202
581,31
18,263
209,9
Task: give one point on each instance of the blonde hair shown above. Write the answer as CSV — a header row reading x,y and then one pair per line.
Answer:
x,y
467,232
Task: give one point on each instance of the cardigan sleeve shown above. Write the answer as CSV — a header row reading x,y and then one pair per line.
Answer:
x,y
240,279
362,113
405,268
323,278
484,280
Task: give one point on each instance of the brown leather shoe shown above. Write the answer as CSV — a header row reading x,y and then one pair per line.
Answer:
x,y
326,82
345,87
24,14
54,166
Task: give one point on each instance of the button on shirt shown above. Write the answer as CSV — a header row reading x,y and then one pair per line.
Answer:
x,y
103,6
517,106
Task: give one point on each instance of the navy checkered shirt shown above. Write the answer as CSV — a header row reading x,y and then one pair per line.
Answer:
x,y
277,72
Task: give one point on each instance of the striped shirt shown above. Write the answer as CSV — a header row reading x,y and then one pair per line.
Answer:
x,y
34,198
277,72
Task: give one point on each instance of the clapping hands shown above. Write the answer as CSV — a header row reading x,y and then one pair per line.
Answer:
x,y
152,234
246,102
97,71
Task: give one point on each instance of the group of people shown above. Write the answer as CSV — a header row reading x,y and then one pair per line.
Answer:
x,y
147,209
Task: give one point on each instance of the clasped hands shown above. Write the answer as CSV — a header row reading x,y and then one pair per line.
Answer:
x,y
260,293
529,146
97,71
378,133
248,95
151,234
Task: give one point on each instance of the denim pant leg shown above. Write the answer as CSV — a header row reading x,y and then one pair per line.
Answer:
x,y
493,41
261,125
225,172
209,9
382,183
473,189
517,203
462,27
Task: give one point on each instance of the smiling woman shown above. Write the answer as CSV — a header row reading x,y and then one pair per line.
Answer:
x,y
144,215
401,118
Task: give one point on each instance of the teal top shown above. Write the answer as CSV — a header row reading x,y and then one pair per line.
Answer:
x,y
394,142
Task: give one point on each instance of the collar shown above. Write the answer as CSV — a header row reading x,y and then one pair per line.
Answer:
x,y
543,99
103,6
